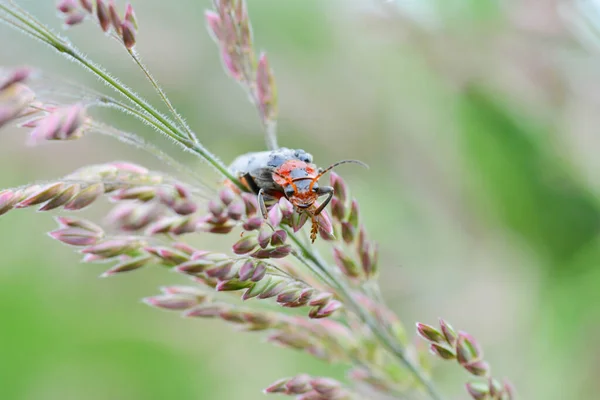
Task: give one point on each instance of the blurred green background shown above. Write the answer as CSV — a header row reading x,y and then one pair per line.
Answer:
x,y
479,120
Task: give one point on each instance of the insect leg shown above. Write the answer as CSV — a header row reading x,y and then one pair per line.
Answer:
x,y
261,203
328,190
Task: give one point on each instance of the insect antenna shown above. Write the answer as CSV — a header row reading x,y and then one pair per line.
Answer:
x,y
332,166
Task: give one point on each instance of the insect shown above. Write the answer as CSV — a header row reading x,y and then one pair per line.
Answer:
x,y
286,172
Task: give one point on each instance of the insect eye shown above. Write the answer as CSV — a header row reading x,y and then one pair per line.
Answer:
x,y
289,191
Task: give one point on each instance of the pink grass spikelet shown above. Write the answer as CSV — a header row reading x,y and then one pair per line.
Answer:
x,y
213,23
477,390
259,273
66,123
265,89
74,18
44,194
130,16
62,198
113,247
232,285
250,203
449,334
253,223
85,197
193,267
278,238
325,310
72,222
354,213
15,99
7,201
18,75
264,238
299,384
429,333
206,311
508,390
235,211
167,255
87,5
478,368
495,388
339,187
172,301
275,252
442,351
127,265
245,244
227,196
115,19
231,64
223,271
103,15
467,348
348,232
128,34
345,263
75,236
140,193
325,226
287,208
246,271
338,210
66,6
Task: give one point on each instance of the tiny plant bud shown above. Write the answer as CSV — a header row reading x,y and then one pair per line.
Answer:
x,y
265,89
442,351
128,34
115,20
478,368
429,333
245,245
449,333
74,18
87,5
477,390
467,349
213,22
66,6
130,16
103,15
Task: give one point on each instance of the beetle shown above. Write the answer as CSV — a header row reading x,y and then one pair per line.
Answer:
x,y
288,173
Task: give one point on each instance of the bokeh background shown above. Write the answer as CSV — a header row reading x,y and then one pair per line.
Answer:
x,y
479,120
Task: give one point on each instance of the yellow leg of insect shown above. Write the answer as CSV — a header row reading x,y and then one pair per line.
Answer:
x,y
314,229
